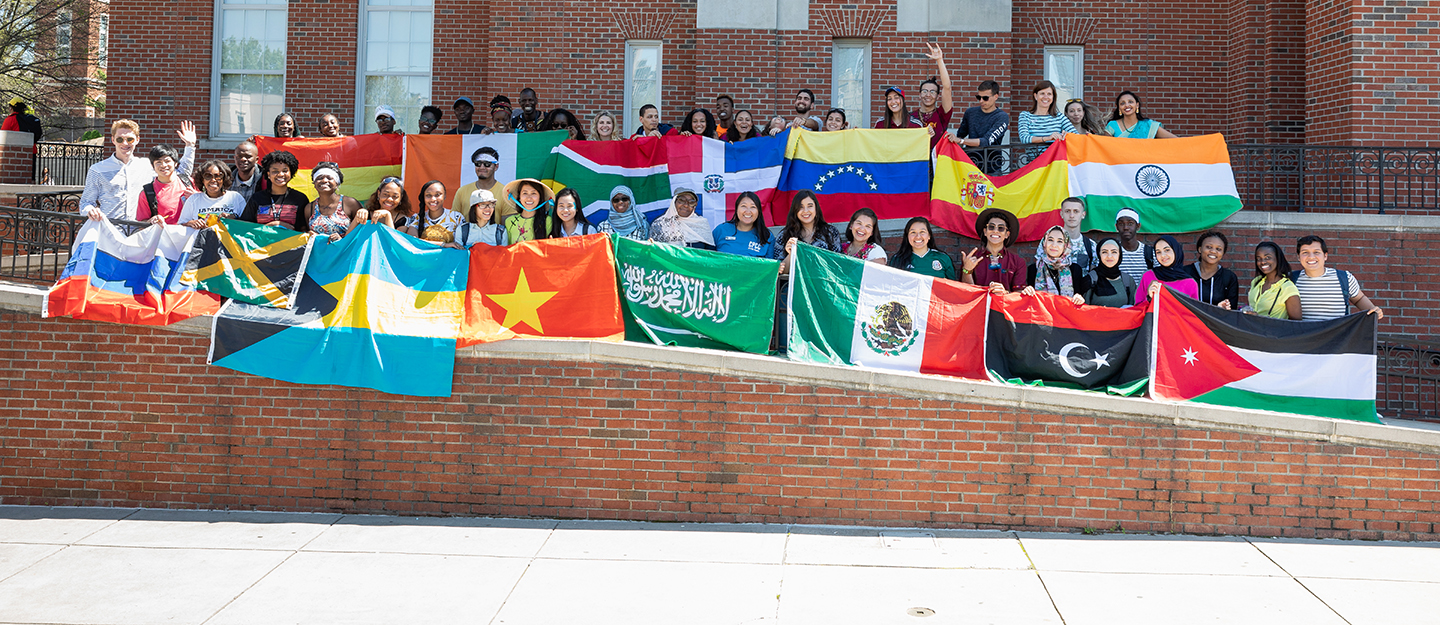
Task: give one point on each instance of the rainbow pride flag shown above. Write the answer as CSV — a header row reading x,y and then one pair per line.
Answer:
x,y
887,171
1033,194
1177,185
364,160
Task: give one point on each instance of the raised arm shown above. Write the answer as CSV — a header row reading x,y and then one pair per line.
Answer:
x,y
947,98
187,160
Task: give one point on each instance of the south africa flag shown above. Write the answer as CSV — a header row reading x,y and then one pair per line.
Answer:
x,y
1214,356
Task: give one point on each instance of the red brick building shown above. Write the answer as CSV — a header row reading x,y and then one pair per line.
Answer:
x,y
1312,71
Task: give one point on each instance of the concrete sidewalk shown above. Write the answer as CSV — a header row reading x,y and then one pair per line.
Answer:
x,y
124,566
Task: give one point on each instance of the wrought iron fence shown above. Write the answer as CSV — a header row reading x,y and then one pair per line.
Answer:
x,y
66,163
1409,384
35,243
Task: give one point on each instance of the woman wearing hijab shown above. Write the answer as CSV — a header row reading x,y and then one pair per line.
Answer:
x,y
680,225
1108,285
623,219
1169,271
1054,272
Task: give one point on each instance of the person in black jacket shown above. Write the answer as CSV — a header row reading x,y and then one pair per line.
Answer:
x,y
1218,286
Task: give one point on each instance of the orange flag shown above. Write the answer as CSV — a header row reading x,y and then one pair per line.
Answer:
x,y
552,288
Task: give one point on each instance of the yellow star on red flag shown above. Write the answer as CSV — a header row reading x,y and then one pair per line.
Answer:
x,y
523,305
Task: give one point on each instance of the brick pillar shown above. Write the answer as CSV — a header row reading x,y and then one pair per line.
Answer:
x,y
17,163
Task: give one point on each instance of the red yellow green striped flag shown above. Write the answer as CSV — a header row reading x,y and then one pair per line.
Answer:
x,y
1033,193
365,160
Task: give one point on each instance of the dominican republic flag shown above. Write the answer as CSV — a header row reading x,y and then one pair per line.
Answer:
x,y
1046,340
1214,356
134,279
721,171
846,311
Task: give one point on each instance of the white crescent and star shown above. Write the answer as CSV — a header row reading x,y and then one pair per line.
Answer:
x,y
1100,360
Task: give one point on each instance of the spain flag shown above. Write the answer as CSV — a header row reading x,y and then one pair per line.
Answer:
x,y
1033,194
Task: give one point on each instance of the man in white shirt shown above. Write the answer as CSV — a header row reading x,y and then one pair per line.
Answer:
x,y
113,186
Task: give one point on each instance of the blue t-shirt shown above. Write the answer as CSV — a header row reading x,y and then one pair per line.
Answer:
x,y
730,240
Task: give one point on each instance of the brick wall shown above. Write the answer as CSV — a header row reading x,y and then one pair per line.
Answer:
x,y
104,415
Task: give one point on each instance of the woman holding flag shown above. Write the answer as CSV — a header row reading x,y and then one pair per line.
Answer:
x,y
745,234
1169,270
534,220
915,254
1053,272
569,219
331,214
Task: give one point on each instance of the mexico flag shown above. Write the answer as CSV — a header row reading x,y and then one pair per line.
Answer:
x,y
1177,185
552,288
1033,194
447,158
364,159
1214,356
847,311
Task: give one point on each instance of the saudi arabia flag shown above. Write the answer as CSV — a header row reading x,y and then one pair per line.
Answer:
x,y
594,168
1214,356
675,295
847,311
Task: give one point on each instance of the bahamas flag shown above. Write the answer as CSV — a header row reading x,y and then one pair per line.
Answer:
x,y
376,309
134,279
1033,194
365,160
1177,185
887,171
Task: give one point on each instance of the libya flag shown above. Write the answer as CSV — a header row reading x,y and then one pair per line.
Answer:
x,y
847,311
594,168
1046,340
676,295
1214,356
248,262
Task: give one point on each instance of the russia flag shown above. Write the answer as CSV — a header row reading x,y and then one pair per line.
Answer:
x,y
719,172
135,279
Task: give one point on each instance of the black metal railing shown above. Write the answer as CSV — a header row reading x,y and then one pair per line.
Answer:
x,y
1303,178
66,163
1409,379
35,243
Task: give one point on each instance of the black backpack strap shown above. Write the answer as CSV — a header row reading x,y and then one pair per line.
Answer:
x,y
1344,286
149,191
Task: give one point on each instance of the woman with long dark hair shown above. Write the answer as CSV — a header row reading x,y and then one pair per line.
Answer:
x,y
917,253
534,200
805,224
862,237
1129,122
699,122
570,216
285,127
742,127
745,234
897,112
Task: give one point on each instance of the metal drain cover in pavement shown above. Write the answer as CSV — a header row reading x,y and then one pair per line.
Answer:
x,y
920,612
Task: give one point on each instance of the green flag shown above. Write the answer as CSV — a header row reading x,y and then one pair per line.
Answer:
x,y
675,295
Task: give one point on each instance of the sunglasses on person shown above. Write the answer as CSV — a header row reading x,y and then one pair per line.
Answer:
x,y
983,98
126,139
996,228
390,179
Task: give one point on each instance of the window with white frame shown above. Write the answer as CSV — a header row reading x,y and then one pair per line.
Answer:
x,y
395,61
642,79
63,31
850,79
247,77
1065,67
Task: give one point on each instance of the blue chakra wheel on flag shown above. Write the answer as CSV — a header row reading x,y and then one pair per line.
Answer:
x,y
714,183
1152,180
890,330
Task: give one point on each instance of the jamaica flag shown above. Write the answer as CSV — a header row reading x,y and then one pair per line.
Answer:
x,y
247,262
1045,340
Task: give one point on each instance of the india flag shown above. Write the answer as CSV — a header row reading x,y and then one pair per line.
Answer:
x,y
1177,185
447,158
594,168
1209,355
846,311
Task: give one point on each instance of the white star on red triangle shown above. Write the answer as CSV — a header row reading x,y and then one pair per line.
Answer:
x,y
1190,356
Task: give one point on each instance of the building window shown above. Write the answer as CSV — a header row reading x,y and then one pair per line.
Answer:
x,y
642,79
1065,67
850,80
248,70
395,61
63,18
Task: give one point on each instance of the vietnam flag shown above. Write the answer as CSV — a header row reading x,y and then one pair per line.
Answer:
x,y
364,160
1046,340
1033,194
551,288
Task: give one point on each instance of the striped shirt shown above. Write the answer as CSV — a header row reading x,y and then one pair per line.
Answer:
x,y
1322,298
1032,125
1133,263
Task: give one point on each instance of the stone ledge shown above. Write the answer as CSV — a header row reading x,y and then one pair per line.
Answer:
x,y
1394,434
1335,221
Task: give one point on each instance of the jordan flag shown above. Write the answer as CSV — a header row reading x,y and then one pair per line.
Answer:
x,y
1214,356
1045,340
552,288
